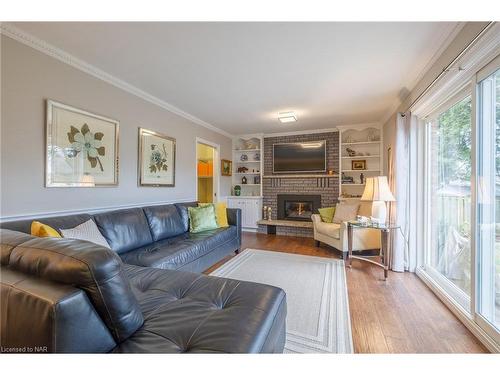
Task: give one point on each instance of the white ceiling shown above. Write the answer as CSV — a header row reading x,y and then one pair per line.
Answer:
x,y
238,76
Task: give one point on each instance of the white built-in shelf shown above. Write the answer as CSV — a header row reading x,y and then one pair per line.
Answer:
x,y
252,145
362,139
361,143
360,156
301,175
361,170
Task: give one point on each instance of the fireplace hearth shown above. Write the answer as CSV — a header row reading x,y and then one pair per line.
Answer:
x,y
297,207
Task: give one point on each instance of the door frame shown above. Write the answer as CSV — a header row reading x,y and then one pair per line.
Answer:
x,y
216,179
483,73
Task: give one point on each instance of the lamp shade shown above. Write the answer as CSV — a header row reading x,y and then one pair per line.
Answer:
x,y
377,189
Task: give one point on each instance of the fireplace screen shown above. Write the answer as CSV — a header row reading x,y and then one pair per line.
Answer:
x,y
298,210
298,206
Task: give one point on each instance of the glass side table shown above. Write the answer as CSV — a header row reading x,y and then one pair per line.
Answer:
x,y
385,250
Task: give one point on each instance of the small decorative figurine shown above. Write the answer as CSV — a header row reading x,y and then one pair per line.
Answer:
x,y
362,178
264,213
244,157
256,180
256,157
269,213
242,169
350,151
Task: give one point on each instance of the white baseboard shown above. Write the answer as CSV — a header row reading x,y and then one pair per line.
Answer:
x,y
251,230
30,216
459,312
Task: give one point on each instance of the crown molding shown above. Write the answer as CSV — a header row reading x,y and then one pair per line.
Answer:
x,y
442,42
57,53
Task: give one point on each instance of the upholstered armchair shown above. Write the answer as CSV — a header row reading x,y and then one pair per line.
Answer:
x,y
335,234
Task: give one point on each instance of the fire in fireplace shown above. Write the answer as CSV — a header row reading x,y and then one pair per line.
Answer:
x,y
298,207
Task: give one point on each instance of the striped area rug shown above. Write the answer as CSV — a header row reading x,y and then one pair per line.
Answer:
x,y
317,306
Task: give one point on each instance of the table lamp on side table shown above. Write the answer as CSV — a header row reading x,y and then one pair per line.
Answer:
x,y
377,191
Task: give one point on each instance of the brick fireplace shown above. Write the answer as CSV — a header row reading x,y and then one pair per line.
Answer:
x,y
324,187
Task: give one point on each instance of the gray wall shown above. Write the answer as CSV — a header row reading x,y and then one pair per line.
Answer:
x,y
28,78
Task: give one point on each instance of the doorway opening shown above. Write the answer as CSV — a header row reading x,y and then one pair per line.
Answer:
x,y
207,162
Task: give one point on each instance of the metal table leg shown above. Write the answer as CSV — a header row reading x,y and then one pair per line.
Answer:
x,y
349,245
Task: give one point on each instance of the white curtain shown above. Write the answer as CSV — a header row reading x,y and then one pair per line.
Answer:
x,y
399,182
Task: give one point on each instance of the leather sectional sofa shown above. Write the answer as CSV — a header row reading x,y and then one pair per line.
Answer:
x,y
64,295
155,236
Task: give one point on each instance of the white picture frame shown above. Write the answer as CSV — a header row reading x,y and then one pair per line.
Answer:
x,y
156,159
81,148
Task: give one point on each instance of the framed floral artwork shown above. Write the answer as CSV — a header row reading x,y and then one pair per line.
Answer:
x,y
226,167
82,148
156,159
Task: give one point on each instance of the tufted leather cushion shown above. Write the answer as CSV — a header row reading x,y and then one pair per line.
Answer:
x,y
10,239
95,269
192,313
164,221
183,211
172,253
58,222
124,229
51,316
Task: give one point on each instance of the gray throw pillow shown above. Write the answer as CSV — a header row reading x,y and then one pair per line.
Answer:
x,y
87,231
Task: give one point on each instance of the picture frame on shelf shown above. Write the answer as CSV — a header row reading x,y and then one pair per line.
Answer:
x,y
81,148
358,165
226,168
156,159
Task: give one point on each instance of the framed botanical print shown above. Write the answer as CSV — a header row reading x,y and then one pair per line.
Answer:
x,y
226,167
82,148
156,159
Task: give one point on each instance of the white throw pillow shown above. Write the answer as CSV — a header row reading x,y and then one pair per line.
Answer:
x,y
87,231
345,212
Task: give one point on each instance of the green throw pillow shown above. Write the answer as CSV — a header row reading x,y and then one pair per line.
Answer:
x,y
202,219
327,214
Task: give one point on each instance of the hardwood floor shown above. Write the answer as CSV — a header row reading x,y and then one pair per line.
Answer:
x,y
400,315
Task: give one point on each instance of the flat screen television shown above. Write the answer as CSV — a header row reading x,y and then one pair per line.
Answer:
x,y
299,157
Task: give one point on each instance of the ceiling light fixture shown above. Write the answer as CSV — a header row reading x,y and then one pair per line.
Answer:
x,y
287,117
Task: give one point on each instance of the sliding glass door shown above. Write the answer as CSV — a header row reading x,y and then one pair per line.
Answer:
x,y
487,304
448,259
460,163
